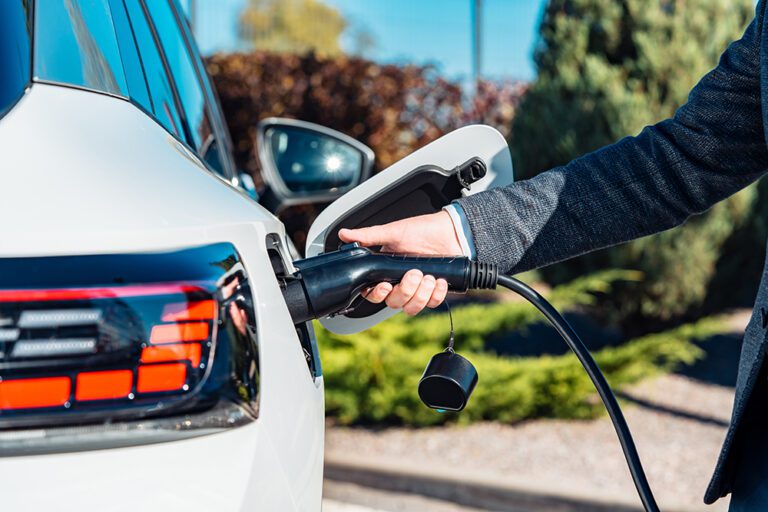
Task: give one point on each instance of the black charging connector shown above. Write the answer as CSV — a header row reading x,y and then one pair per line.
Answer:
x,y
329,283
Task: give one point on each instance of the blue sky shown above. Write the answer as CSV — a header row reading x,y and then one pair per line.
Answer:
x,y
418,31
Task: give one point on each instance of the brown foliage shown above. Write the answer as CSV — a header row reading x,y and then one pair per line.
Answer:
x,y
495,104
392,109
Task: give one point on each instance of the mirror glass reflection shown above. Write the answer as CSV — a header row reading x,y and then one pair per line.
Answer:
x,y
310,161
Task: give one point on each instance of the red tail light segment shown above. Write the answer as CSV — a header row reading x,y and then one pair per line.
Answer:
x,y
175,352
66,294
162,377
38,392
175,333
106,385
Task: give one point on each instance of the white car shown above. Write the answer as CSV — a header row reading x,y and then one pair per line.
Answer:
x,y
148,360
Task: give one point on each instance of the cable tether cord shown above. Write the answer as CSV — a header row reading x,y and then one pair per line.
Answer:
x,y
598,379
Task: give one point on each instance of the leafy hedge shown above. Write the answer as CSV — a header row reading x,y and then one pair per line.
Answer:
x,y
372,377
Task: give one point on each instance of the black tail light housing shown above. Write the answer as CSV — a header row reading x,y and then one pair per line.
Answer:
x,y
127,339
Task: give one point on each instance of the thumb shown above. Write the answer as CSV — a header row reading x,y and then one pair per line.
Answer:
x,y
374,235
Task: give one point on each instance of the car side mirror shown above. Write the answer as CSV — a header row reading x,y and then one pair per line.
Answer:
x,y
307,163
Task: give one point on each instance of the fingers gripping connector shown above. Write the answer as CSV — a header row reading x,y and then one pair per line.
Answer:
x,y
328,283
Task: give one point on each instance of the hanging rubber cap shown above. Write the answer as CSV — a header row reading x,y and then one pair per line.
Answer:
x,y
448,381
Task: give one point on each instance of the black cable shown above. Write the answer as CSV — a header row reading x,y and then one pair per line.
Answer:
x,y
603,388
451,339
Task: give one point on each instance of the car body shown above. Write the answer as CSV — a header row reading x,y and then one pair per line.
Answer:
x,y
90,172
148,360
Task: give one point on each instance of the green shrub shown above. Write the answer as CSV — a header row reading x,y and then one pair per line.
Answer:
x,y
372,377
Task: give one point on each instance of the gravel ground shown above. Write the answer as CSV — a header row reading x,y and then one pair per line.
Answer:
x,y
339,506
345,497
678,429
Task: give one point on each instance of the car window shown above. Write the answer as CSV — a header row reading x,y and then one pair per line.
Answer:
x,y
163,104
134,73
75,43
186,73
182,68
223,142
15,51
213,157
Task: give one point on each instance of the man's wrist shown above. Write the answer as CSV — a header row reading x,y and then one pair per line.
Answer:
x,y
461,227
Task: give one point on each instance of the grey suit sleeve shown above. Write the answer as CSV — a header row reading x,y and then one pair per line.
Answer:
x,y
713,146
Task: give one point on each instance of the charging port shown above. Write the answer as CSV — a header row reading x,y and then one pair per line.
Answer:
x,y
304,330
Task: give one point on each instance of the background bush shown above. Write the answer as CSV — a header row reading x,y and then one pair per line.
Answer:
x,y
605,70
372,377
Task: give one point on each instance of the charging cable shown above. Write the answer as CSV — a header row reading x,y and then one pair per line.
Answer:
x,y
452,335
573,341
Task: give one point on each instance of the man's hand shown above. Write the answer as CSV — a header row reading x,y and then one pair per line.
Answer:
x,y
429,235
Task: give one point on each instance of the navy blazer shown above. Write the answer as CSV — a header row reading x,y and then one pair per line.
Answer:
x,y
715,145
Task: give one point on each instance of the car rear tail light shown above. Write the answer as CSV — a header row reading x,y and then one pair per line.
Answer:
x,y
107,341
104,348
